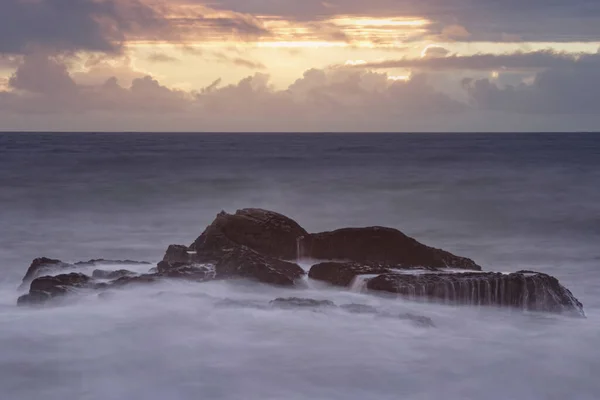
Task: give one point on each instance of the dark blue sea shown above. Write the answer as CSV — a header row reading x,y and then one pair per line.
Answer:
x,y
508,201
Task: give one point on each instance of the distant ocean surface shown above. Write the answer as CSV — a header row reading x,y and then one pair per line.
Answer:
x,y
508,201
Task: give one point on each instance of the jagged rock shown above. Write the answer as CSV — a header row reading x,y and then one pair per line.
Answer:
x,y
525,290
295,302
245,263
342,274
177,254
43,266
102,274
378,245
266,232
230,244
49,287
193,272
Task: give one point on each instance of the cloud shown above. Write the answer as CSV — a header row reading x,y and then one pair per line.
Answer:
x,y
483,20
484,62
161,58
341,99
321,98
70,25
434,51
42,84
573,90
238,61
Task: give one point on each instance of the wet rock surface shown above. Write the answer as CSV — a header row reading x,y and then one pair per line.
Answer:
x,y
49,287
524,290
380,245
342,274
296,302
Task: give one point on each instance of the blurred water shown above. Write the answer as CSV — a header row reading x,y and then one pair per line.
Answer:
x,y
508,201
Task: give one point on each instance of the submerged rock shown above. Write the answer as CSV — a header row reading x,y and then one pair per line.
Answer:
x,y
525,290
418,320
359,308
295,302
101,261
102,274
192,272
49,287
379,245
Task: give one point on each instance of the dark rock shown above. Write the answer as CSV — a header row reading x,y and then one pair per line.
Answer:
x,y
193,272
101,261
245,263
177,254
43,266
33,298
378,245
342,274
238,260
359,308
49,287
266,232
102,274
295,302
106,295
528,291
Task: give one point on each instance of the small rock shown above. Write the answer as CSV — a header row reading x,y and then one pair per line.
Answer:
x,y
295,302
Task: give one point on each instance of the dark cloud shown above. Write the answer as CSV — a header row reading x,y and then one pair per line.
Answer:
x,y
493,20
42,84
70,25
570,90
516,61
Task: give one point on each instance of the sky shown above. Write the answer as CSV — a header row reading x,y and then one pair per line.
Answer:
x,y
291,65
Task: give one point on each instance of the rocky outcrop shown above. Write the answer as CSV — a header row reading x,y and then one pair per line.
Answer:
x,y
248,244
266,232
257,244
47,266
378,245
525,290
43,266
49,287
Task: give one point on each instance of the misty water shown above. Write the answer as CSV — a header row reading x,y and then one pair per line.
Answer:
x,y
510,202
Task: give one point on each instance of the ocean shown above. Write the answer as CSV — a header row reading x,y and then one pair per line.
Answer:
x,y
508,201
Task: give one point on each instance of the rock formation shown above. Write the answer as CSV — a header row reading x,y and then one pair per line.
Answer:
x,y
258,245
